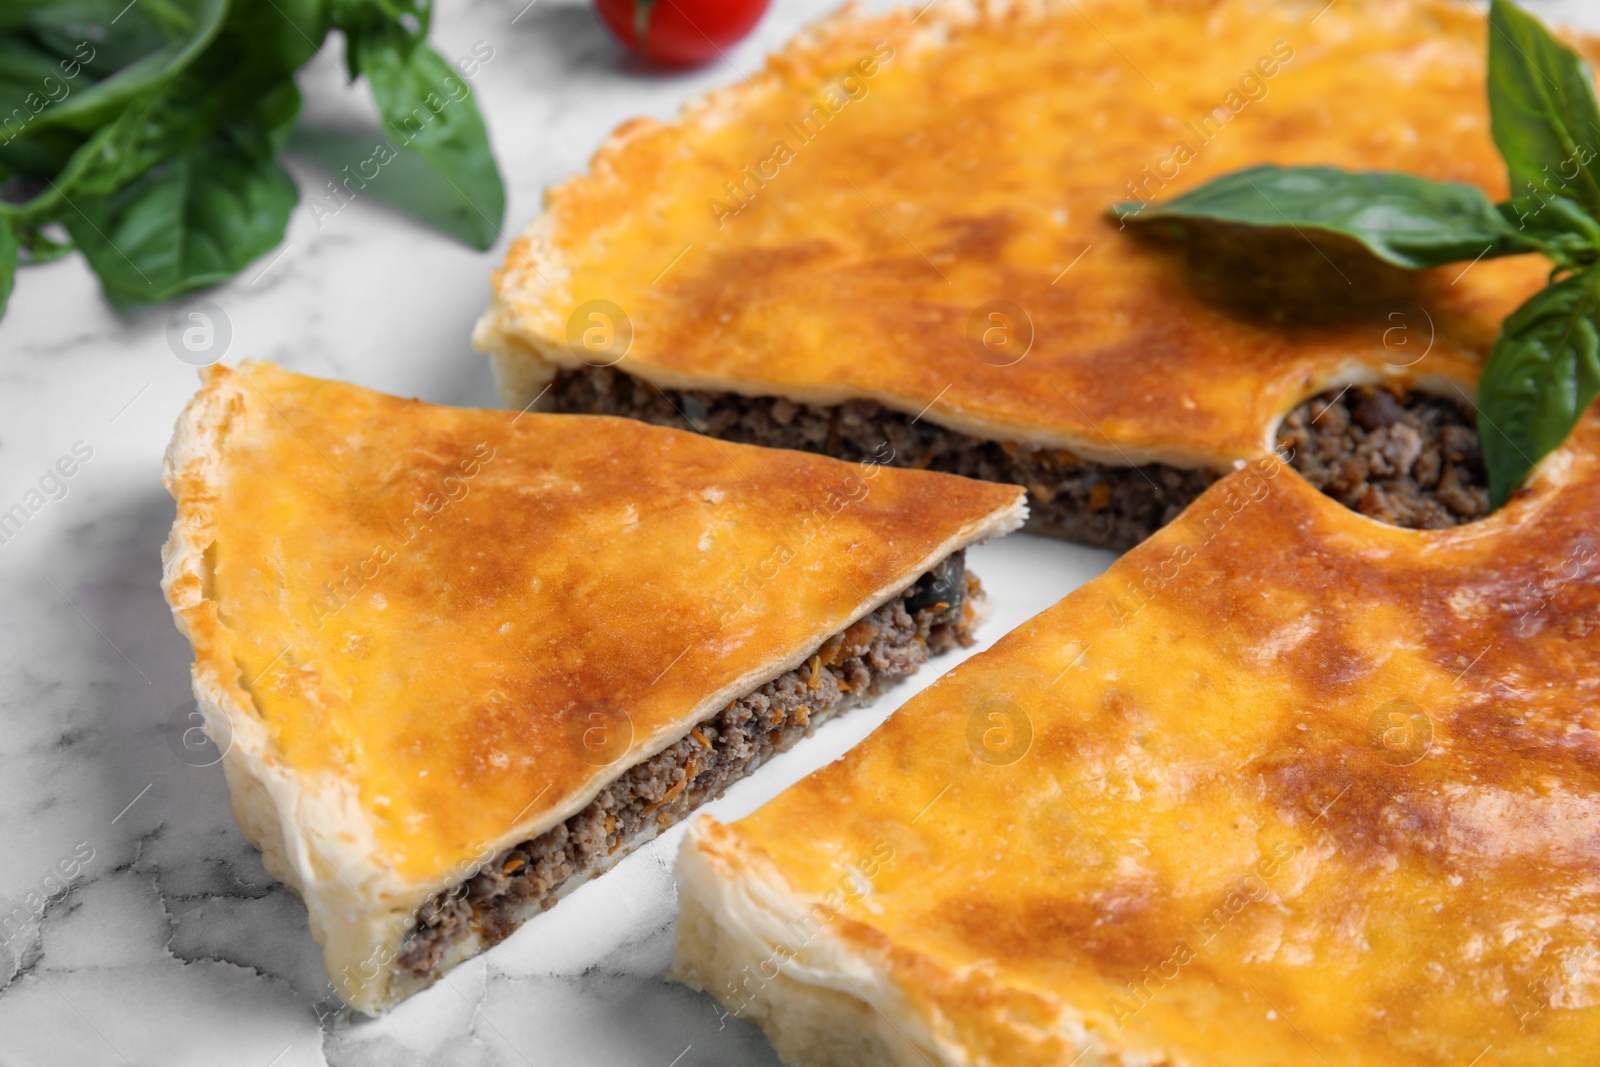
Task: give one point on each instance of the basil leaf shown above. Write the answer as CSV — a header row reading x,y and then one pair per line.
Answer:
x,y
1404,219
194,220
53,121
1543,114
360,20
23,69
1542,374
39,247
8,260
146,45
244,74
427,107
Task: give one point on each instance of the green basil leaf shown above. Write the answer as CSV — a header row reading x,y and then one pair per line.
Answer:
x,y
1542,374
102,68
359,20
194,220
8,260
246,72
1543,114
38,246
94,34
188,111
1404,219
24,68
427,107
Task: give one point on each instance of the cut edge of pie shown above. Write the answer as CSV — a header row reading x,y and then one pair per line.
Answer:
x,y
828,986
525,333
524,330
311,827
521,330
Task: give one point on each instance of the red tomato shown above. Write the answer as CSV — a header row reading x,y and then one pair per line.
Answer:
x,y
680,33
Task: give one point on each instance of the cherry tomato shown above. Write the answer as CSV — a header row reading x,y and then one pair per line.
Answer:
x,y
680,33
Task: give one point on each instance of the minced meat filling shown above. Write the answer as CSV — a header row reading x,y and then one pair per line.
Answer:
x,y
1410,459
1090,503
891,642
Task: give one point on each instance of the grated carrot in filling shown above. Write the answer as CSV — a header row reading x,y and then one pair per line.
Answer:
x,y
690,768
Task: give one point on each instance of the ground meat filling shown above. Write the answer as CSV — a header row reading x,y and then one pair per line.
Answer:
x,y
1408,459
891,642
1068,497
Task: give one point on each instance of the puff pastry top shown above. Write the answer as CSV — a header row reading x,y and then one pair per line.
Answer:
x,y
1283,786
416,617
877,212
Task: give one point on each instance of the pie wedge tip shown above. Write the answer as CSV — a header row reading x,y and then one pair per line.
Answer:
x,y
461,661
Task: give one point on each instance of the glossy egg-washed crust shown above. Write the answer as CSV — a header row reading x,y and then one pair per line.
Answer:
x,y
1202,745
407,615
977,163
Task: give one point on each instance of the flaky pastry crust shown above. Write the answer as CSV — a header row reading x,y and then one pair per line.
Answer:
x,y
425,634
1284,785
853,257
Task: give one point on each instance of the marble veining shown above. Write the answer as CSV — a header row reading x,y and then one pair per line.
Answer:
x,y
138,926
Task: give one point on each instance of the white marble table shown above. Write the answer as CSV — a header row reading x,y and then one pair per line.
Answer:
x,y
143,929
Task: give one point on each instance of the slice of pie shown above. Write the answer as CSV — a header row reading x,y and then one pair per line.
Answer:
x,y
1284,786
896,237
461,661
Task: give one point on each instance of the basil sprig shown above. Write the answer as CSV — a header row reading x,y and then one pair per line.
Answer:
x,y
151,132
1544,369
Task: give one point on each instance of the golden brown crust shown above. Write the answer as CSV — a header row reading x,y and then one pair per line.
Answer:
x,y
1298,783
424,623
977,163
